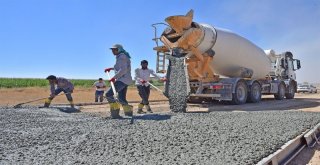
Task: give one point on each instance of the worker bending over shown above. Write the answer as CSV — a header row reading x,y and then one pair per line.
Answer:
x,y
57,85
122,79
100,86
142,78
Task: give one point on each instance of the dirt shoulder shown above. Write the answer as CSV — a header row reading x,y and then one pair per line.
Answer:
x,y
81,95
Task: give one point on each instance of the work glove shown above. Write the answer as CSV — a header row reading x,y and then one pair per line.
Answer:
x,y
52,96
143,81
163,79
108,69
112,80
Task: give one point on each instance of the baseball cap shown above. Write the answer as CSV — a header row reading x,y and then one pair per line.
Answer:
x,y
116,46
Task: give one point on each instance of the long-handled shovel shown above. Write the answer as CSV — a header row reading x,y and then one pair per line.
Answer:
x,y
20,104
116,95
153,86
113,88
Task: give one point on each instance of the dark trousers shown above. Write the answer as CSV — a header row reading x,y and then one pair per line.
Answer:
x,y
99,96
121,89
144,92
67,91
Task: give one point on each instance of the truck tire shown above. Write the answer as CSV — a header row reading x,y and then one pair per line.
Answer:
x,y
254,96
241,93
281,92
291,91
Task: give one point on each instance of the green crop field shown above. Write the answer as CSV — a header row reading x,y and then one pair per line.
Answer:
x,y
33,82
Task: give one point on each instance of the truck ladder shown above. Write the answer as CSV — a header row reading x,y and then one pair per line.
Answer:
x,y
161,62
162,51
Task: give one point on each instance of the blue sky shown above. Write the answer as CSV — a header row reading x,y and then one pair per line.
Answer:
x,y
70,38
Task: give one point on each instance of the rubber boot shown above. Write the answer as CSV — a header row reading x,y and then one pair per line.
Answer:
x,y
128,110
47,103
140,111
114,110
115,114
149,109
71,104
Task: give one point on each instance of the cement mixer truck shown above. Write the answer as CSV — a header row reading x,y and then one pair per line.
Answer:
x,y
206,63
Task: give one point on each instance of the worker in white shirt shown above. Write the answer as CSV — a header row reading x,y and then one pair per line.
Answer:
x,y
142,78
100,88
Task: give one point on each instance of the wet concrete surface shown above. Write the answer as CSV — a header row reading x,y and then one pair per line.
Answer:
x,y
177,86
51,136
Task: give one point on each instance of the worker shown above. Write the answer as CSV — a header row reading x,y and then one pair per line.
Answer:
x,y
100,86
122,79
142,78
57,85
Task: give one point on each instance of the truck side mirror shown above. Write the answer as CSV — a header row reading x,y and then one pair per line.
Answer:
x,y
298,64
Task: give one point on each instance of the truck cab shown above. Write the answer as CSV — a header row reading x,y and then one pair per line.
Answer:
x,y
283,66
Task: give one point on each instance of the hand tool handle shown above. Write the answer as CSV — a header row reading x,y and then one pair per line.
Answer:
x,y
112,86
155,87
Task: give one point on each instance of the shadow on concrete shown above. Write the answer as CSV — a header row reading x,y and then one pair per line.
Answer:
x,y
67,109
155,117
266,104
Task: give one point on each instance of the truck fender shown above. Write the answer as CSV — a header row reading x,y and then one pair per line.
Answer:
x,y
250,82
288,82
232,81
277,82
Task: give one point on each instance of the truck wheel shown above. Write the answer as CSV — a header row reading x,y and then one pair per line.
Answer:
x,y
291,92
241,93
254,95
281,92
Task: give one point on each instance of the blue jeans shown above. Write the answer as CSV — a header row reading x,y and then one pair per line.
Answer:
x,y
99,96
68,91
121,89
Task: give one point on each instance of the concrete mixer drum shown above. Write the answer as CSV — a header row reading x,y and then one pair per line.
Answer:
x,y
222,65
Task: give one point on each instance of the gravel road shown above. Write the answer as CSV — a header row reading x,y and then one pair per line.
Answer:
x,y
50,136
